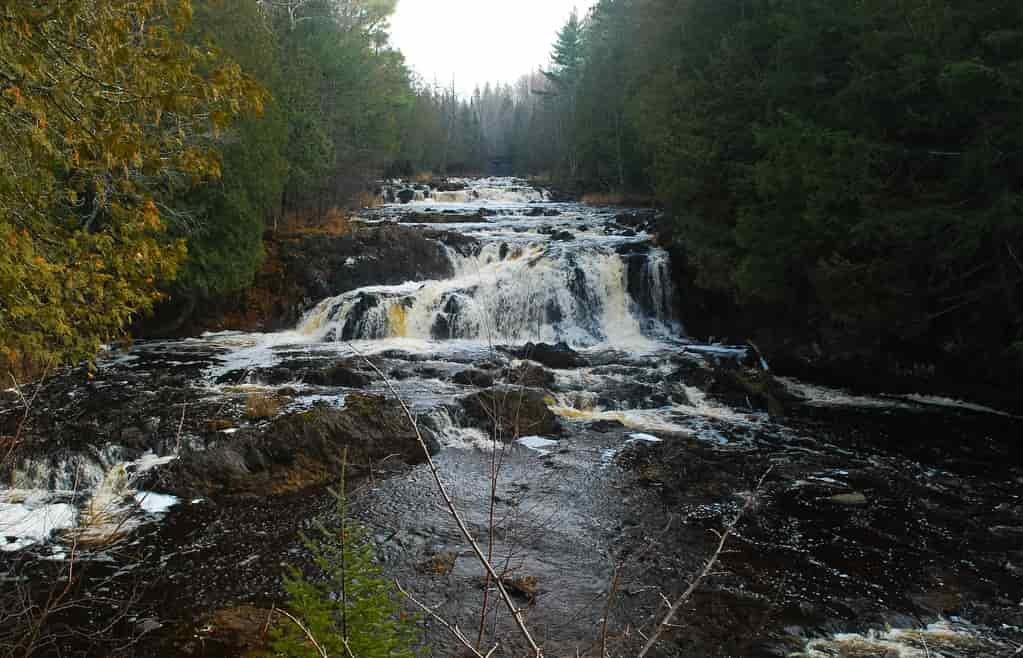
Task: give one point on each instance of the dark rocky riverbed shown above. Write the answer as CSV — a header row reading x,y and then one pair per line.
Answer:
x,y
885,526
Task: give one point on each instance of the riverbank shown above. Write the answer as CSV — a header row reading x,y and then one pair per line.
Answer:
x,y
808,347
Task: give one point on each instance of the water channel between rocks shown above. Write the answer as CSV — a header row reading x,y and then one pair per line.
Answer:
x,y
888,526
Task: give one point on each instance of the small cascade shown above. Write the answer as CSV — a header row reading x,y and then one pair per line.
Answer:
x,y
81,495
651,285
479,192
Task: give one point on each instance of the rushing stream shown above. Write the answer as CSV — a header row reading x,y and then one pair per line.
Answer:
x,y
888,526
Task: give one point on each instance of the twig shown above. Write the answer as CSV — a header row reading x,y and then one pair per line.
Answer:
x,y
181,428
309,634
612,591
1012,252
674,608
515,611
454,630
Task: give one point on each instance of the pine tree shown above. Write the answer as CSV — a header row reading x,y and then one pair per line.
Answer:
x,y
349,603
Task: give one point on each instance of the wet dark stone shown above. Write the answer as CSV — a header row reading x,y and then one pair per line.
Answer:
x,y
637,219
512,412
446,186
535,212
551,212
441,329
604,426
338,375
563,236
750,388
559,356
445,217
430,372
503,253
353,325
443,325
406,196
529,375
473,377
553,312
299,450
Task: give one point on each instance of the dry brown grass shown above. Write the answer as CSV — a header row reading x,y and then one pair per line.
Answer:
x,y
366,199
603,198
261,406
335,221
438,565
617,199
219,425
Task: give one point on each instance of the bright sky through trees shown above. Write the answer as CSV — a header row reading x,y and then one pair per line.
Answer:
x,y
478,41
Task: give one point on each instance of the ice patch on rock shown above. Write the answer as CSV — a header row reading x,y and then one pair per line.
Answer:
x,y
32,522
537,443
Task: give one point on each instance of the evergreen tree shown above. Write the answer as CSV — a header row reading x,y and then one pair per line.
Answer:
x,y
349,603
101,121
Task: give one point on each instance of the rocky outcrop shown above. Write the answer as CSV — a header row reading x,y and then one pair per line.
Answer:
x,y
303,269
559,356
474,377
529,375
300,450
511,411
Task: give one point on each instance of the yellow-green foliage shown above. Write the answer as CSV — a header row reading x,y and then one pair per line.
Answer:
x,y
104,108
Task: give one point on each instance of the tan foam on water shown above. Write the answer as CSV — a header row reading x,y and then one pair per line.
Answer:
x,y
943,639
397,320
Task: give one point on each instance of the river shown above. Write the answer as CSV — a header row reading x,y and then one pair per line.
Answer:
x,y
886,525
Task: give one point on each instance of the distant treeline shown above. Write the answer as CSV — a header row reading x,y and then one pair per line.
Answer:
x,y
849,168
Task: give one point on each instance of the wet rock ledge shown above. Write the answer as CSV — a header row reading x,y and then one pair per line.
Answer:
x,y
301,450
302,269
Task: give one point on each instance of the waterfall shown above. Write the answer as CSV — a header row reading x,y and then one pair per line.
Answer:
x,y
536,291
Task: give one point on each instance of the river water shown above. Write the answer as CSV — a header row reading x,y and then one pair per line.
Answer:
x,y
888,526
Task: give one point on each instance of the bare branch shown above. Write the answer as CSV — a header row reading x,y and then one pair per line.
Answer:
x,y
454,630
302,627
707,569
509,603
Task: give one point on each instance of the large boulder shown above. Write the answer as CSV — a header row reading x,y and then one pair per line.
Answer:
x,y
474,377
559,356
750,387
529,375
511,412
339,374
301,450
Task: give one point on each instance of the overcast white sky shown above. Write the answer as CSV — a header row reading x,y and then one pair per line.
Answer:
x,y
477,41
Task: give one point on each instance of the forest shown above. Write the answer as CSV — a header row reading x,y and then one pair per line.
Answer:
x,y
842,176
148,145
842,173
703,338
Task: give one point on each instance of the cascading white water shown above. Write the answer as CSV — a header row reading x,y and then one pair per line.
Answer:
x,y
490,195
657,276
507,294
